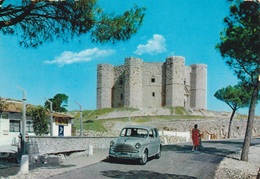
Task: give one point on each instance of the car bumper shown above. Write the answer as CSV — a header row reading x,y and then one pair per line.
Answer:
x,y
121,155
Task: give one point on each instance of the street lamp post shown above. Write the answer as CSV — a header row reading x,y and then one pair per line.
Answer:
x,y
80,108
51,116
23,131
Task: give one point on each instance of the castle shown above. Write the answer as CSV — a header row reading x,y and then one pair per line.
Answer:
x,y
139,84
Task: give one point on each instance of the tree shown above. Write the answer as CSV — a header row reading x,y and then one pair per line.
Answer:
x,y
39,21
3,106
240,42
235,97
59,102
40,120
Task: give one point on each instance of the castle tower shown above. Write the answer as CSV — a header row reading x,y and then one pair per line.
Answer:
x,y
198,88
105,82
133,82
175,71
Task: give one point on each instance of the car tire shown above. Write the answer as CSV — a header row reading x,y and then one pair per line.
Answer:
x,y
159,154
144,157
111,159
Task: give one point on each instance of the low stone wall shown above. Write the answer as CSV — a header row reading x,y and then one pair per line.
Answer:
x,y
54,145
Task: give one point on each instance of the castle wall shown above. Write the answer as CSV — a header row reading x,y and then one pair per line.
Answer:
x,y
133,82
153,82
118,88
187,86
175,81
105,76
198,86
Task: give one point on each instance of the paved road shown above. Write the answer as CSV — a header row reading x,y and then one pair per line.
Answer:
x,y
177,161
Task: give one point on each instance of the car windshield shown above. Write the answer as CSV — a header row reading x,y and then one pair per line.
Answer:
x,y
134,132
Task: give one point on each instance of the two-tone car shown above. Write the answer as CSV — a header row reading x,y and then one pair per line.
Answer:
x,y
136,143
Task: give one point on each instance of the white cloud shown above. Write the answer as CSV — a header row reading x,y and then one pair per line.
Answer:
x,y
171,54
68,57
155,45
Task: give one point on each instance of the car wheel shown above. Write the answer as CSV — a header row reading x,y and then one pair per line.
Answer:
x,y
158,155
144,158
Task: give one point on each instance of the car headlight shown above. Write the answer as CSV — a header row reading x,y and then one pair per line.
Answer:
x,y
112,143
137,145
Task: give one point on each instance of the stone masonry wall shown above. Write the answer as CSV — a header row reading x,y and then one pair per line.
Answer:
x,y
118,88
54,145
153,82
105,83
198,86
175,81
133,82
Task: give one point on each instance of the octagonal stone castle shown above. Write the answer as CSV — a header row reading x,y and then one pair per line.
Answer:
x,y
139,84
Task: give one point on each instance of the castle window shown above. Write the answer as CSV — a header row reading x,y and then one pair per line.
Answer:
x,y
121,96
153,94
121,81
152,80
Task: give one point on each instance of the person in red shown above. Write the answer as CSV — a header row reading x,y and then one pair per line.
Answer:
x,y
195,137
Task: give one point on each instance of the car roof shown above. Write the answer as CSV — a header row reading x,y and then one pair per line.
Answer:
x,y
142,127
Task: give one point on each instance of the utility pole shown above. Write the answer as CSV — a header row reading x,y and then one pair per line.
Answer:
x,y
51,117
23,131
80,109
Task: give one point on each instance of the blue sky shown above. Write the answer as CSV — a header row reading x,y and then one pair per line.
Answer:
x,y
170,28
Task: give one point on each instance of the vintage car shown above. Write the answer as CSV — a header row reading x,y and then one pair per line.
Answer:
x,y
136,143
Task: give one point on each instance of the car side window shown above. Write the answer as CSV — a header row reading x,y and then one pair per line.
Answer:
x,y
151,135
125,132
128,132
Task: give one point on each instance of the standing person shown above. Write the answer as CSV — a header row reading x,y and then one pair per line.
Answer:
x,y
195,137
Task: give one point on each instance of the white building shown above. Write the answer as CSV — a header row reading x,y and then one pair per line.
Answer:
x,y
11,123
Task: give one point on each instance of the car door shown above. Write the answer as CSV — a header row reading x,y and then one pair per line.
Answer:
x,y
157,140
153,142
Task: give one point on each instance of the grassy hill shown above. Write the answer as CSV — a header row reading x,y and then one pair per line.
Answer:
x,y
109,122
95,119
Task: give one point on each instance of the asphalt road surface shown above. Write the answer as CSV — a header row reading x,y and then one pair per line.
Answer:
x,y
177,161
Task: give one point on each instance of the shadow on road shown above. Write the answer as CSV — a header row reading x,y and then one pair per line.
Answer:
x,y
136,174
122,161
224,142
51,166
9,171
221,148
15,169
180,148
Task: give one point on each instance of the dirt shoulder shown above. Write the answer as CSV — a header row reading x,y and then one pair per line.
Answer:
x,y
232,167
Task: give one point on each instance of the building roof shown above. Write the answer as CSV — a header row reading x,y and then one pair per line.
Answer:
x,y
12,105
16,106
